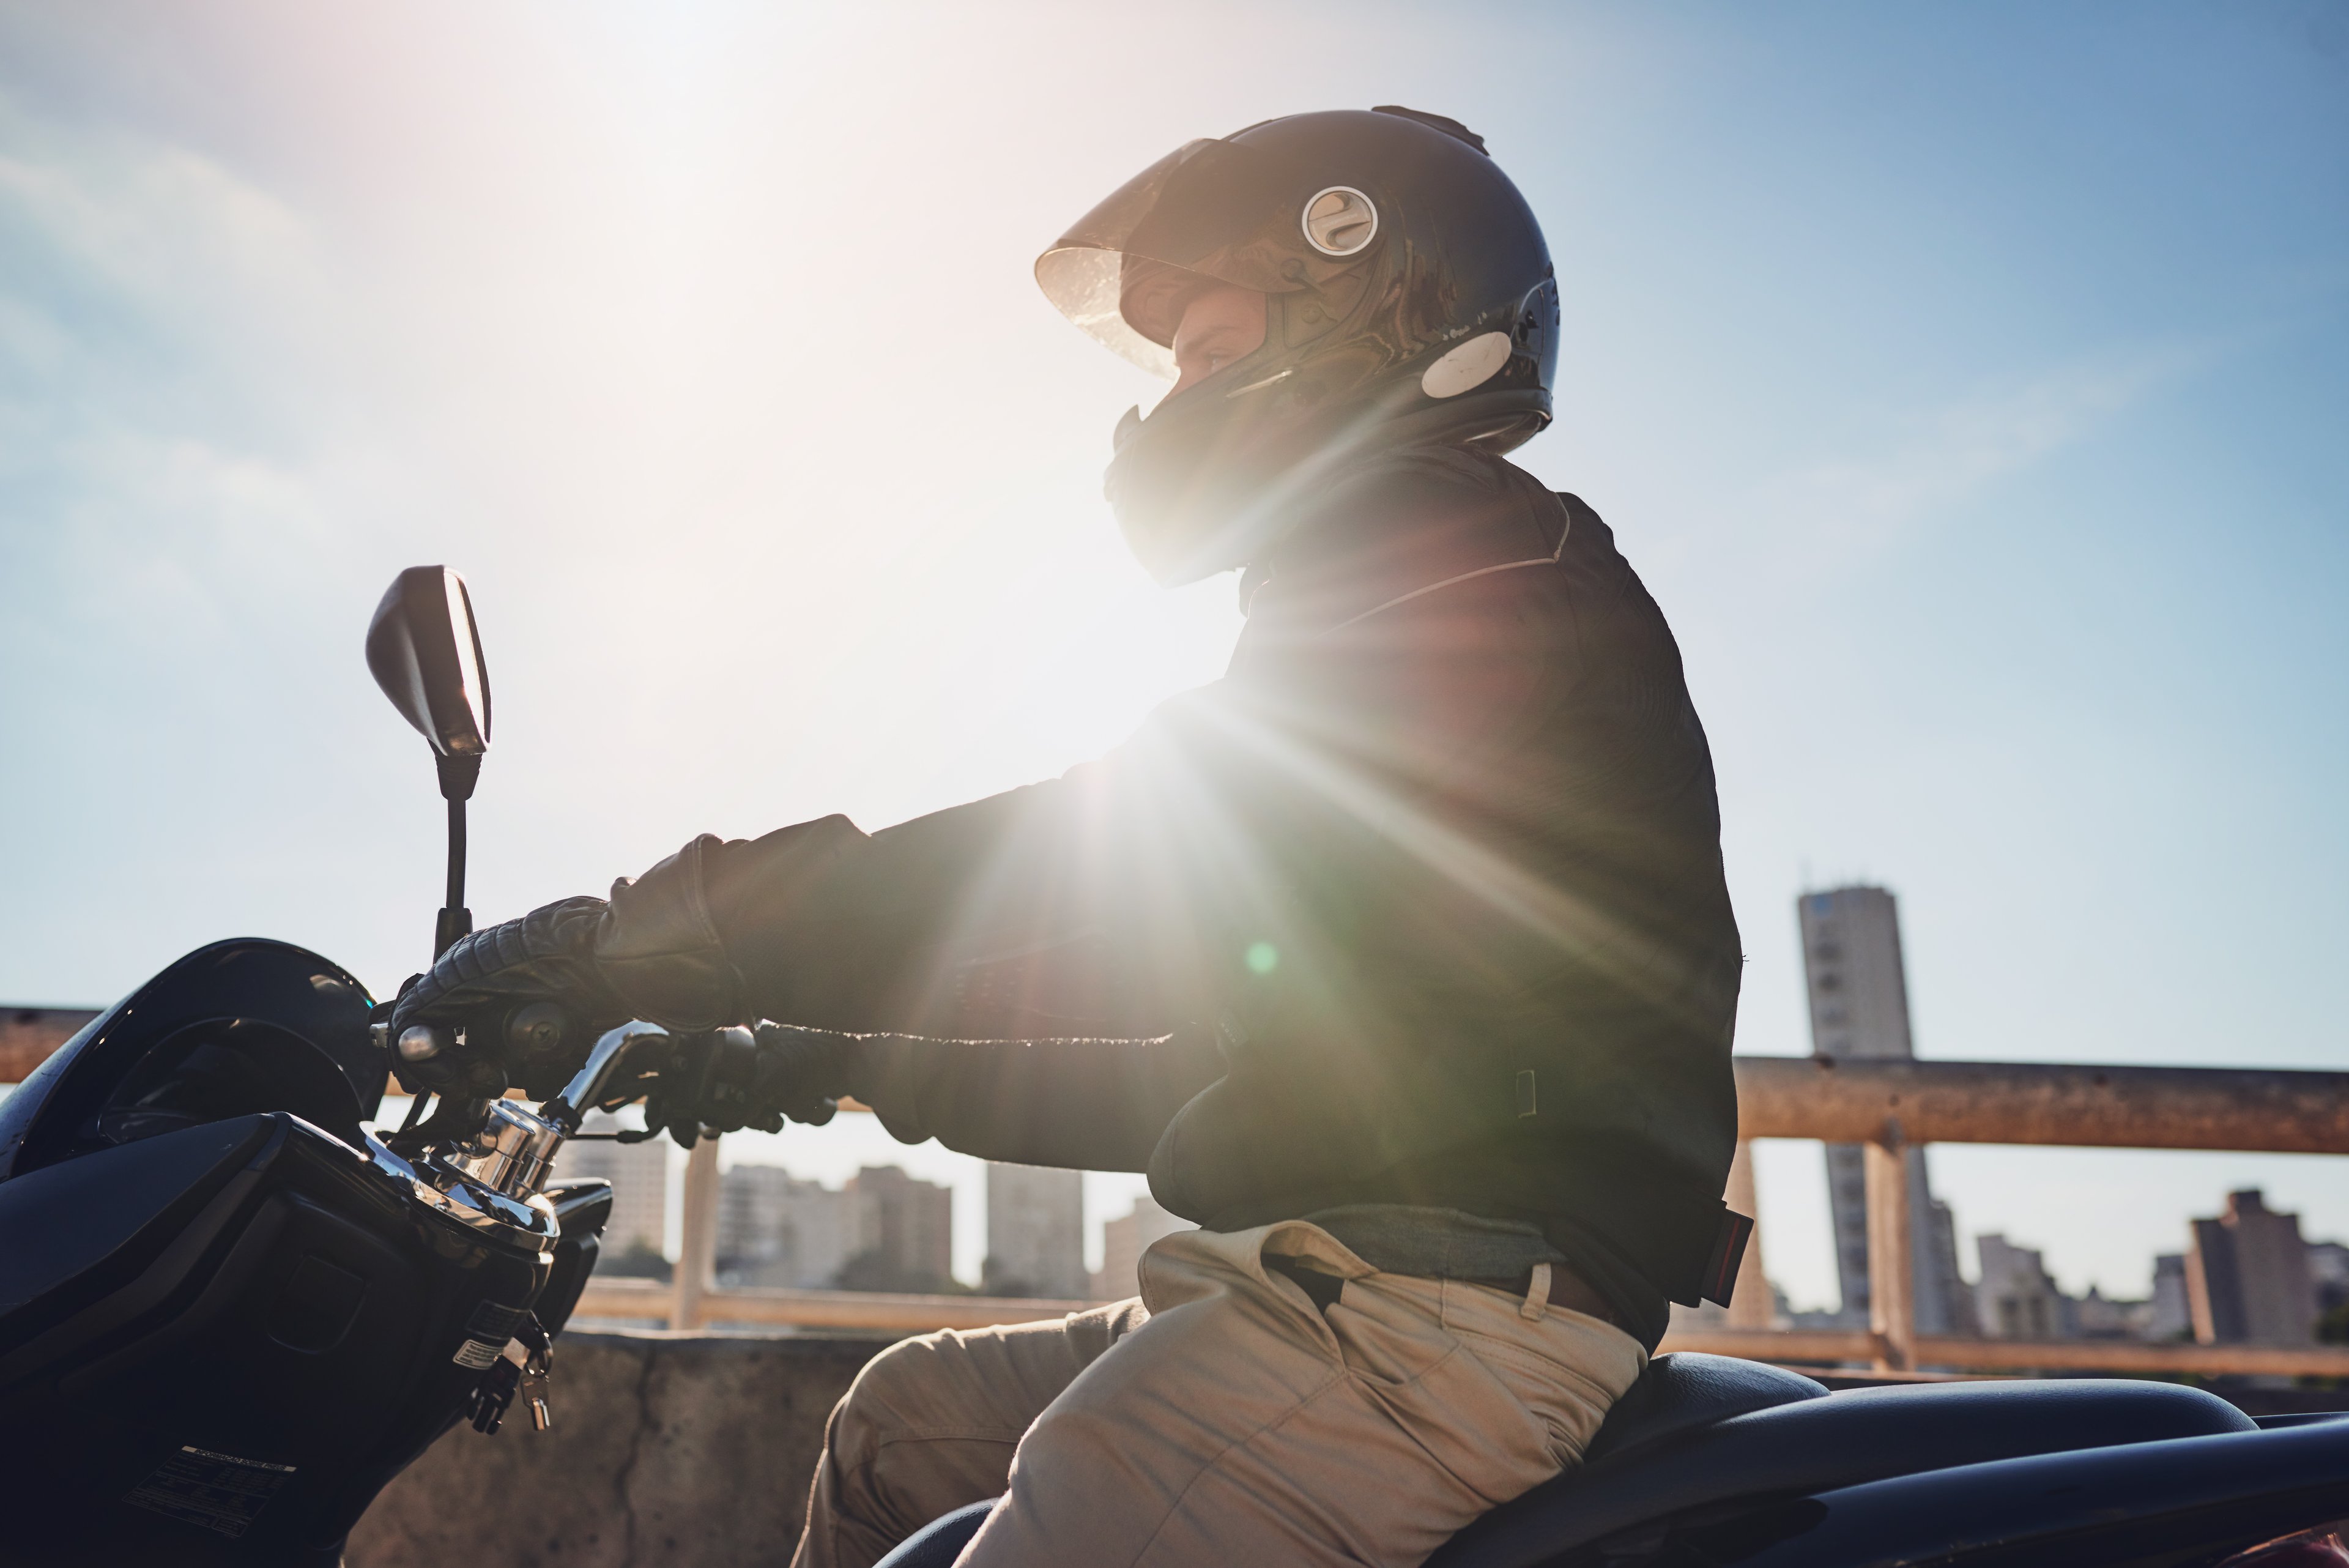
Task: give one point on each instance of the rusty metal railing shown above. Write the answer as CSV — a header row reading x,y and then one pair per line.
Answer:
x,y
1887,1106
30,1035
1890,1106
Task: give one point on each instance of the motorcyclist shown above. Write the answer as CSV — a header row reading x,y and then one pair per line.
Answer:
x,y
1401,957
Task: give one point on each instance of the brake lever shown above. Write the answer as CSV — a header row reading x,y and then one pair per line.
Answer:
x,y
590,1086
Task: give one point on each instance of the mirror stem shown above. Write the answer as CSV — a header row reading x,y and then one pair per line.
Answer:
x,y
456,920
456,855
457,777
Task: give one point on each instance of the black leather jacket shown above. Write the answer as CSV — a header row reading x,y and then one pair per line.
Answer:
x,y
1422,903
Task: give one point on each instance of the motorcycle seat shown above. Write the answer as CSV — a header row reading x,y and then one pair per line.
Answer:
x,y
1671,1454
1684,1391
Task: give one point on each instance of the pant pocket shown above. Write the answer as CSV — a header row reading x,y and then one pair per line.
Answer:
x,y
1565,1370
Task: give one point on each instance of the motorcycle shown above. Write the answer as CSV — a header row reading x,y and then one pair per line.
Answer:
x,y
229,1313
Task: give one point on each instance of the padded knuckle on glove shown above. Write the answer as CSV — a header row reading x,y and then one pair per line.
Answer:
x,y
533,958
658,947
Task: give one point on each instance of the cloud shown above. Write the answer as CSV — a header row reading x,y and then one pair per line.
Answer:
x,y
1940,458
109,217
164,326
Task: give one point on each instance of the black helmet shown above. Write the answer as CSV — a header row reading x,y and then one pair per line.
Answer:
x,y
1410,299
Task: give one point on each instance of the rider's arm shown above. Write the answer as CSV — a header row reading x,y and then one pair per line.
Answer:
x,y
1026,966
1093,1105
1120,901
1123,902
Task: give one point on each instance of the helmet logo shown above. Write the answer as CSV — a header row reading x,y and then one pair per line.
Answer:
x,y
1340,220
1467,367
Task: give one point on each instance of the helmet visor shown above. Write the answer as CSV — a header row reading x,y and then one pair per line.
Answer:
x,y
1211,209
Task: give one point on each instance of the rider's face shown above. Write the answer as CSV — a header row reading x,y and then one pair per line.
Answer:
x,y
1221,323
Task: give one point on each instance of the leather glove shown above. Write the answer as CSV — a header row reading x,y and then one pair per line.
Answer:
x,y
734,1078
650,952
483,979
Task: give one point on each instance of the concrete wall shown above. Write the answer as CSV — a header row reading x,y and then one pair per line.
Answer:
x,y
688,1451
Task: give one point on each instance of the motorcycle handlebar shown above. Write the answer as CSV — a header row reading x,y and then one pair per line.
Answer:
x,y
589,1086
694,1083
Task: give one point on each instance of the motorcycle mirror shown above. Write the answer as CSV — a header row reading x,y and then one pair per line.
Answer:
x,y
426,653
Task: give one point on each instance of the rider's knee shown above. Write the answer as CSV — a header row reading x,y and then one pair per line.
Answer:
x,y
886,1394
897,1362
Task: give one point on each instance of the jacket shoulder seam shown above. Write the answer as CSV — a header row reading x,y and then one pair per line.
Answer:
x,y
1551,559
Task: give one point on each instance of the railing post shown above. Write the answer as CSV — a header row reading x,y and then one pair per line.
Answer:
x,y
1891,1270
698,1250
1750,1305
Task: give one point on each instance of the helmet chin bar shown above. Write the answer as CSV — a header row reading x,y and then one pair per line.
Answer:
x,y
1196,486
1207,484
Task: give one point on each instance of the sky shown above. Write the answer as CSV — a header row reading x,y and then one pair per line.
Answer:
x,y
1968,383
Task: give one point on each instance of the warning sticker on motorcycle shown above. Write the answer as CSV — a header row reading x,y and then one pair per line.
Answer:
x,y
495,1320
479,1353
216,1491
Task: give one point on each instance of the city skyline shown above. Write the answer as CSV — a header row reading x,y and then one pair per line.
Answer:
x,y
2245,1276
1965,388
2251,1290
1856,978
881,1231
1858,990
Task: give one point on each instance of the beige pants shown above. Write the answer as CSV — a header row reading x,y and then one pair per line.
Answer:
x,y
1231,1422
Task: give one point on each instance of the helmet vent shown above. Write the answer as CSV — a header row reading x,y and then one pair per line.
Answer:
x,y
1442,123
1340,220
1467,367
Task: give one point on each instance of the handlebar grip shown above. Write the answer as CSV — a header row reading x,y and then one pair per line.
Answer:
x,y
423,1042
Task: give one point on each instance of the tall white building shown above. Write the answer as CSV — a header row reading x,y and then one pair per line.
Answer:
x,y
2018,1298
2099,1316
1859,1010
2328,1267
2247,1276
1123,1240
902,1232
884,1231
1035,1231
774,1229
2173,1306
638,1173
